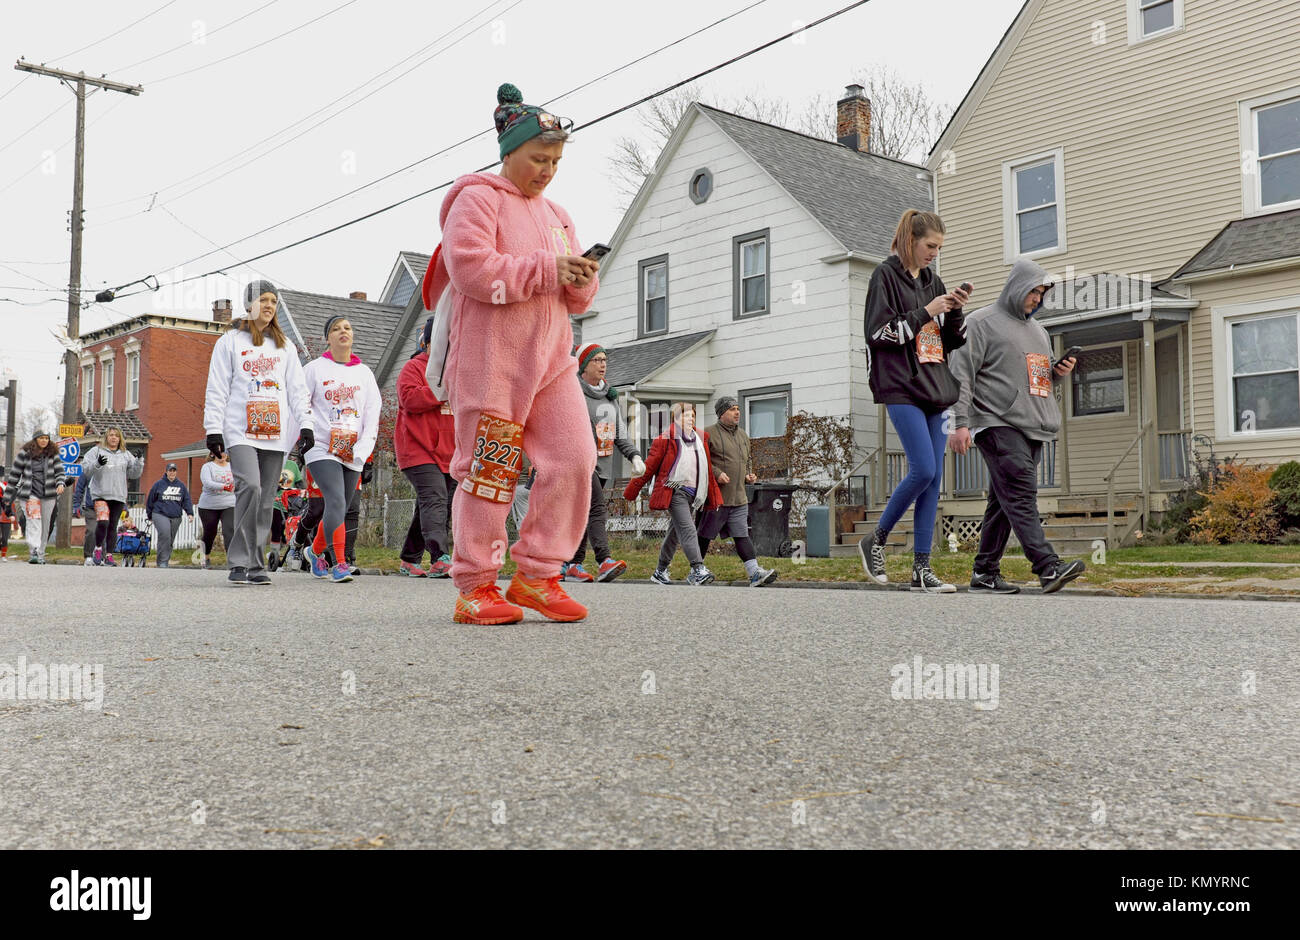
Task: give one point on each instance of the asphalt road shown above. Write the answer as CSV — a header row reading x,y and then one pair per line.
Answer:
x,y
309,714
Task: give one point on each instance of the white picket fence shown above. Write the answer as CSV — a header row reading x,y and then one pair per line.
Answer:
x,y
187,535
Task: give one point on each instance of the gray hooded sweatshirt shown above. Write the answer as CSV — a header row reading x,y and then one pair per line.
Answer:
x,y
109,480
607,423
1005,368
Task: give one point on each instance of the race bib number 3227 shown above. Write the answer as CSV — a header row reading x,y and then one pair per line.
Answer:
x,y
498,453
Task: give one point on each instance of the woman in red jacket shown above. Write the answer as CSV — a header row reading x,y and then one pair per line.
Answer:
x,y
683,484
424,438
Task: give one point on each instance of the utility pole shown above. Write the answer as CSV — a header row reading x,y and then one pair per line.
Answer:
x,y
70,359
11,425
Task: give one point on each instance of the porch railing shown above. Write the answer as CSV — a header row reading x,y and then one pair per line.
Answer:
x,y
971,474
1175,455
1111,540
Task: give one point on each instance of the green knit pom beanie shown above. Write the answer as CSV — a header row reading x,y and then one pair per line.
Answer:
x,y
517,123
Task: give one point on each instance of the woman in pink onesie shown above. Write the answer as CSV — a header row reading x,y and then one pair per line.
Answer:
x,y
515,271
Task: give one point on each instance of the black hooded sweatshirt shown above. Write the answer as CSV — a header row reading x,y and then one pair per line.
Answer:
x,y
907,352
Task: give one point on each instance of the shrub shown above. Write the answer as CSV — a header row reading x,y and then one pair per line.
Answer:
x,y
1285,483
1239,509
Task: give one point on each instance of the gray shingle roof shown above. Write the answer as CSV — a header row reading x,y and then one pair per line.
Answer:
x,y
1248,241
417,263
857,196
1096,292
631,364
98,422
372,323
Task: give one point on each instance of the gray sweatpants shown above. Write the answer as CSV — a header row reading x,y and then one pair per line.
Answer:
x,y
681,529
257,474
38,531
166,527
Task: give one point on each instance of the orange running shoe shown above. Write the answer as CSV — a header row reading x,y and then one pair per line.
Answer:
x,y
544,595
484,605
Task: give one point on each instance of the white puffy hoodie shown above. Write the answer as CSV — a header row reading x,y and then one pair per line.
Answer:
x,y
345,404
256,394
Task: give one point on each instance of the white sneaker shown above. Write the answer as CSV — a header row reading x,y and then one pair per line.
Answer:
x,y
89,562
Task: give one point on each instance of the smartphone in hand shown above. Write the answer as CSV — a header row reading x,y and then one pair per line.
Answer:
x,y
1071,353
596,252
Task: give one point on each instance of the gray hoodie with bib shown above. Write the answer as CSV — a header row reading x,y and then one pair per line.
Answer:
x,y
1005,368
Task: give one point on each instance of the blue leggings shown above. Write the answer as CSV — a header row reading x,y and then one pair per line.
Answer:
x,y
924,441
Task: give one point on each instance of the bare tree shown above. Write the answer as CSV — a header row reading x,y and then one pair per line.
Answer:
x,y
39,418
905,122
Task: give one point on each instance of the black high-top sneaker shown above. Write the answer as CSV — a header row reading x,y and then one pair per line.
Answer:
x,y
924,580
872,550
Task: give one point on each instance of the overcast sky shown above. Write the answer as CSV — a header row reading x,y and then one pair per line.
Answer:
x,y
165,140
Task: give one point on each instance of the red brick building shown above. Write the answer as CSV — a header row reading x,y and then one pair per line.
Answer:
x,y
148,376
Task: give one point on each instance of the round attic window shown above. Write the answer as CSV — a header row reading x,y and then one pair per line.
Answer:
x,y
701,186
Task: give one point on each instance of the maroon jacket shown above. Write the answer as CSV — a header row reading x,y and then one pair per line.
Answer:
x,y
425,431
659,465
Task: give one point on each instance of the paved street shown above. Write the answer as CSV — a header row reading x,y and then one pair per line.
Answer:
x,y
309,714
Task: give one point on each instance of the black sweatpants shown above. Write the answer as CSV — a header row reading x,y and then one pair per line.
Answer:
x,y
597,516
1012,460
106,529
431,520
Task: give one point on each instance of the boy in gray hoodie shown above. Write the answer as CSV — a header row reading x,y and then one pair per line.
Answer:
x,y
1007,405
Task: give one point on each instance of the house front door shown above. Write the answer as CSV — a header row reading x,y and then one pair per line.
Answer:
x,y
1169,392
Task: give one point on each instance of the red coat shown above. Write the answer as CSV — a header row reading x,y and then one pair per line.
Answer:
x,y
425,431
659,465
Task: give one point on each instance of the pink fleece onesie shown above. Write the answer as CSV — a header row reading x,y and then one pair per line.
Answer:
x,y
510,355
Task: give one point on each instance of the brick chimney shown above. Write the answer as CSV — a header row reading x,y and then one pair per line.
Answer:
x,y
357,295
853,119
221,311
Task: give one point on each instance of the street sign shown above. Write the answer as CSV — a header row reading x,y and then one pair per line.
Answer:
x,y
72,469
72,430
69,450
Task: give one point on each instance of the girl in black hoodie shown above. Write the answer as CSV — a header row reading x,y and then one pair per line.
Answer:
x,y
913,323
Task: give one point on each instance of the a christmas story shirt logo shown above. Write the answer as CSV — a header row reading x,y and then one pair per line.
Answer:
x,y
261,365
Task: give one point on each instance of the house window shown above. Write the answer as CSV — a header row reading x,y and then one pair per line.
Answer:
x,y
652,296
701,187
764,410
749,261
1100,383
1149,18
1272,132
133,379
1265,356
657,418
106,368
88,387
1034,200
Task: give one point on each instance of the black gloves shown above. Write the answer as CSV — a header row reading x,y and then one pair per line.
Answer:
x,y
367,472
216,445
306,441
103,458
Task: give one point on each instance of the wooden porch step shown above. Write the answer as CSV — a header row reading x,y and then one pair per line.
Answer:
x,y
1076,505
1060,530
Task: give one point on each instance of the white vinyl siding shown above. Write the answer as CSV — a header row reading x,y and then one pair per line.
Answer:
x,y
1148,19
1270,142
1033,191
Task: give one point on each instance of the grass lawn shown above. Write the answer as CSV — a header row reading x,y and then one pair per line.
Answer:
x,y
641,557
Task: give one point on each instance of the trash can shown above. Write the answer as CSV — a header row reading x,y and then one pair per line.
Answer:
x,y
769,518
817,526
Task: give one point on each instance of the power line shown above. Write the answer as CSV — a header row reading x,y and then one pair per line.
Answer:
x,y
243,151
59,108
118,33
105,113
472,137
235,55
191,42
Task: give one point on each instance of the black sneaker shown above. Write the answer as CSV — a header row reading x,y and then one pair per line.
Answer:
x,y
1064,573
238,576
259,577
992,584
925,581
873,559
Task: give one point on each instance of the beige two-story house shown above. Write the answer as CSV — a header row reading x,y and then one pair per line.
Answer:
x,y
1147,154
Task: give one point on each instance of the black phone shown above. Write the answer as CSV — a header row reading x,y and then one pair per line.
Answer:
x,y
967,286
596,252
1071,353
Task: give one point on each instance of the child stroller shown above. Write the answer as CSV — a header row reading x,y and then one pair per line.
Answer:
x,y
133,546
289,509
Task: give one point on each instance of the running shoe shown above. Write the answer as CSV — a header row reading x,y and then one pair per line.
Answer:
x,y
762,576
545,596
924,581
108,560
660,576
484,605
340,573
412,570
89,562
992,584
610,569
575,573
319,566
259,577
441,568
292,560
1052,581
873,559
99,556
699,576
238,576
33,560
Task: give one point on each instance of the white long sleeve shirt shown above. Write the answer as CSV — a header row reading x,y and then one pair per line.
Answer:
x,y
218,487
256,394
345,405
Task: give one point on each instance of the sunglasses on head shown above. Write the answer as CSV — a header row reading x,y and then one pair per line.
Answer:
x,y
549,122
